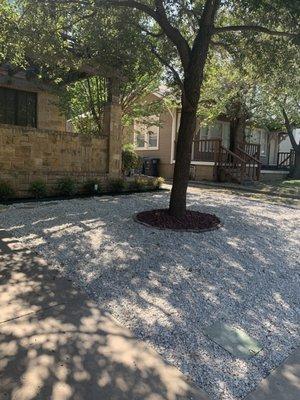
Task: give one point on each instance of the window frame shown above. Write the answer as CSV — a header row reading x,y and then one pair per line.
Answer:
x,y
17,106
144,132
142,135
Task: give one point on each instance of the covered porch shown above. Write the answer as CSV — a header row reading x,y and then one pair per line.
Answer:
x,y
213,160
222,164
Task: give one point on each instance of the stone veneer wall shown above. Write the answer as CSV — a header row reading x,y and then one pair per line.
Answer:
x,y
49,115
27,154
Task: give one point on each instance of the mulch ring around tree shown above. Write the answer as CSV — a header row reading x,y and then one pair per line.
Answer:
x,y
192,221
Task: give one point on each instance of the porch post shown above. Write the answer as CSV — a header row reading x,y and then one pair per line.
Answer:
x,y
217,148
113,128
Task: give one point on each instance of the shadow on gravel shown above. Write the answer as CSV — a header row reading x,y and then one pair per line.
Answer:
x,y
57,344
168,286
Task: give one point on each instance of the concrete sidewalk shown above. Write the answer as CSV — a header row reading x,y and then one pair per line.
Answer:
x,y
282,384
57,344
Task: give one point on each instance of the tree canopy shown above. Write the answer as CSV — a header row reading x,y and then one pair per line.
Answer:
x,y
72,39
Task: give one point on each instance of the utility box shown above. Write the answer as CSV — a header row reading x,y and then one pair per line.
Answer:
x,y
150,166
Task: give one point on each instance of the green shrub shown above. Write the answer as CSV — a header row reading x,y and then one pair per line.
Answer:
x,y
117,185
38,189
6,191
130,159
139,184
158,182
66,187
92,187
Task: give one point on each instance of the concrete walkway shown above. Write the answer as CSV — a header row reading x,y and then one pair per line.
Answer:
x,y
57,344
258,188
262,188
282,384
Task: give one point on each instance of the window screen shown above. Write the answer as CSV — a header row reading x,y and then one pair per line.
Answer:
x,y
18,107
152,139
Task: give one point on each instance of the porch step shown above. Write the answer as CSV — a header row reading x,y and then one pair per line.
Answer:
x,y
238,166
233,175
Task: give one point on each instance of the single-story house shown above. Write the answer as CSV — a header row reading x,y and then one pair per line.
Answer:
x,y
262,155
35,143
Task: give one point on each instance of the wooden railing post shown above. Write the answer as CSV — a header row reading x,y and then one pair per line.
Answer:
x,y
217,149
258,152
258,169
292,157
285,159
193,150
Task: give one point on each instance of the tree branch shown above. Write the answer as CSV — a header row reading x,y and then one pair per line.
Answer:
x,y
159,15
203,37
152,34
289,129
254,28
167,65
221,45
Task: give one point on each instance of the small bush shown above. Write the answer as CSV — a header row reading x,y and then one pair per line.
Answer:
x,y
38,189
130,159
117,185
92,187
66,187
158,182
139,184
6,191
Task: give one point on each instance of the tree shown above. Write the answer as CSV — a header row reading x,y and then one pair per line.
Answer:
x,y
74,46
229,90
83,102
257,87
189,27
276,85
279,110
296,146
180,34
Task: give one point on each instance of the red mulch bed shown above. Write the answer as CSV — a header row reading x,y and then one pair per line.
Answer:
x,y
194,221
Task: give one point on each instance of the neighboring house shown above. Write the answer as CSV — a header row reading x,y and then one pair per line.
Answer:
x,y
284,151
35,144
211,155
285,143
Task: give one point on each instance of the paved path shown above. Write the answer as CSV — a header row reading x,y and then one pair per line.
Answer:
x,y
57,344
282,384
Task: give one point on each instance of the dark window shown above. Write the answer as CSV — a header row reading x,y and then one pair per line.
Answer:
x,y
17,107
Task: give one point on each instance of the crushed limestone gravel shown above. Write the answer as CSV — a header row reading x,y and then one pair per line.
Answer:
x,y
168,286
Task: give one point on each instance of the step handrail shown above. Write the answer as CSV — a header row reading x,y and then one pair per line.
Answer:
x,y
289,157
249,155
227,165
233,154
285,159
248,146
253,164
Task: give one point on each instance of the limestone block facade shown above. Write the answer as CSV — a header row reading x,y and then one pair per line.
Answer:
x,y
49,116
38,146
28,154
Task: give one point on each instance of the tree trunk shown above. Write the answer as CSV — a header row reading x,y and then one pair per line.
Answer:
x,y
296,146
237,132
186,133
193,63
233,133
296,170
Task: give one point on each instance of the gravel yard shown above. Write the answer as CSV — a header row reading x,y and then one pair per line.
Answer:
x,y
168,286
